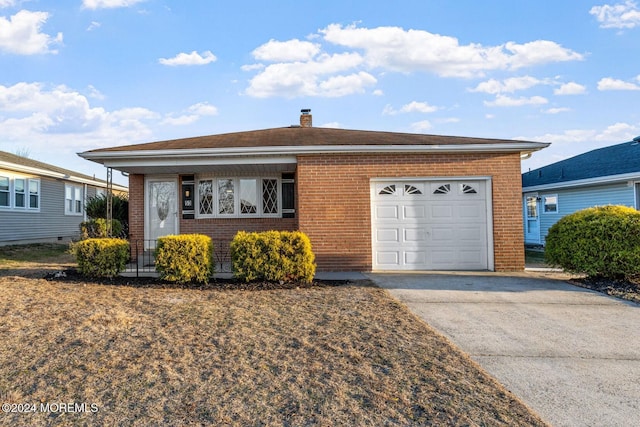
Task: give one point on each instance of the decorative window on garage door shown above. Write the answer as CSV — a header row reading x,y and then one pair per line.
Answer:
x,y
442,189
413,188
469,188
387,190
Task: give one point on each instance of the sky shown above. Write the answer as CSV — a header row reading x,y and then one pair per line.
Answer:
x,y
77,75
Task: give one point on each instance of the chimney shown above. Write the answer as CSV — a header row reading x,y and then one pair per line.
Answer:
x,y
305,118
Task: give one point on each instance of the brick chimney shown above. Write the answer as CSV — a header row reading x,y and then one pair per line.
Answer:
x,y
305,118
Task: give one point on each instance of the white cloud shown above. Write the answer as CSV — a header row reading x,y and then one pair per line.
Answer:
x,y
421,126
620,15
412,107
59,118
193,58
402,50
332,125
95,93
21,34
304,68
608,83
505,101
489,116
323,76
570,88
509,85
378,92
109,4
291,50
556,110
181,120
93,25
7,3
203,109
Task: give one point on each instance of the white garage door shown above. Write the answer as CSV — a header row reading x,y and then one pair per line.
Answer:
x,y
430,225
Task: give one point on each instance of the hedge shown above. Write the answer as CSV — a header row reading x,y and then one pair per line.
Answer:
x,y
273,256
185,258
97,228
101,257
602,241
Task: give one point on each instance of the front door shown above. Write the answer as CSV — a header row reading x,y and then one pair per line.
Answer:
x,y
532,219
162,208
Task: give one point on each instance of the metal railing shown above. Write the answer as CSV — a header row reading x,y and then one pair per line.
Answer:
x,y
143,262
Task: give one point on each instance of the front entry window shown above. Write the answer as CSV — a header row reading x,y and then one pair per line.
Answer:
x,y
532,207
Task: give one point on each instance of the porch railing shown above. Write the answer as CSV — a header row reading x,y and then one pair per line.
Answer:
x,y
143,262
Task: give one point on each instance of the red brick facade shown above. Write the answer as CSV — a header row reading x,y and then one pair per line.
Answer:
x,y
334,208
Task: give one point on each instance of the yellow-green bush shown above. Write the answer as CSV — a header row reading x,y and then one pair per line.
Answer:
x,y
273,255
603,241
96,228
101,257
185,258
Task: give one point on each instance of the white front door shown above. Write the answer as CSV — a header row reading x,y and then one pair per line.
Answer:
x,y
531,219
431,224
161,208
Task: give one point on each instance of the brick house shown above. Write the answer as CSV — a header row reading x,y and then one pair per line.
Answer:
x,y
367,200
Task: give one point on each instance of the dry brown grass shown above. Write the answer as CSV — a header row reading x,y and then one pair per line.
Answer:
x,y
345,355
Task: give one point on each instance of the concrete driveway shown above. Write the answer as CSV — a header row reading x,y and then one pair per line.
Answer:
x,y
572,355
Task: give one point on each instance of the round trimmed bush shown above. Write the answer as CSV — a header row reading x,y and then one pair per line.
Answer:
x,y
602,241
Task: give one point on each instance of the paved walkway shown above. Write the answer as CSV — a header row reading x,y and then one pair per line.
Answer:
x,y
572,355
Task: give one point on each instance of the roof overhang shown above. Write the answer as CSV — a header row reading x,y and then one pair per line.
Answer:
x,y
57,175
272,157
609,179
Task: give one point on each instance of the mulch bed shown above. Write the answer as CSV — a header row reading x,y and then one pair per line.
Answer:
x,y
623,289
72,275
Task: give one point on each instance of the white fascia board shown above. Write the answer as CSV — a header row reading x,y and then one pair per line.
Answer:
x,y
57,175
609,179
117,163
105,156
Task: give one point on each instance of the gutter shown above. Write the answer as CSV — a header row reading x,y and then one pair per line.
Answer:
x,y
609,179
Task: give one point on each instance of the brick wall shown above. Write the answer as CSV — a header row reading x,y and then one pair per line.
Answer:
x,y
334,206
136,207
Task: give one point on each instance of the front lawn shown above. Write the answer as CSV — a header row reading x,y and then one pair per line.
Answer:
x,y
158,355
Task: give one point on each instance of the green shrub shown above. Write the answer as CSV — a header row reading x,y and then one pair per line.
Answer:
x,y
185,258
273,256
101,257
97,228
96,207
602,241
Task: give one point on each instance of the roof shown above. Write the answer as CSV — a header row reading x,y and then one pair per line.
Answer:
x,y
296,136
614,161
27,165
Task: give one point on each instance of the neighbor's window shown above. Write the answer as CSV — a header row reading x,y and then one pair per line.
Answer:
x,y
551,204
73,200
5,200
34,194
19,193
226,197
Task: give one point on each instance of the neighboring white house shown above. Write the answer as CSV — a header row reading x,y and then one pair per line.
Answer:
x,y
606,176
42,203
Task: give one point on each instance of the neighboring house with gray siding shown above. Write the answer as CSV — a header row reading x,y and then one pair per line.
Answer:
x,y
606,176
41,202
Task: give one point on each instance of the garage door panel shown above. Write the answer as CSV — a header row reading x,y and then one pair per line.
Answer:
x,y
415,258
388,235
414,212
415,235
388,258
387,212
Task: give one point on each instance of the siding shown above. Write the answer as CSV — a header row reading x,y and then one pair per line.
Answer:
x,y
573,200
50,223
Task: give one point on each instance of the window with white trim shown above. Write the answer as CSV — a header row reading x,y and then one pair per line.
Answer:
x,y
19,193
73,200
5,194
238,197
34,194
550,203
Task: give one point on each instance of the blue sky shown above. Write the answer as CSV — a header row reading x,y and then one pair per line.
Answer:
x,y
82,74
